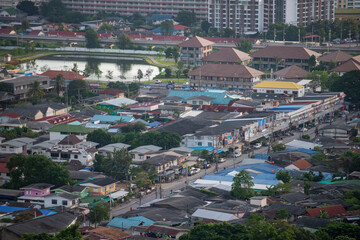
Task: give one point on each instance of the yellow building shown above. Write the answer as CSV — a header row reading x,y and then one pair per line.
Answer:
x,y
280,87
101,186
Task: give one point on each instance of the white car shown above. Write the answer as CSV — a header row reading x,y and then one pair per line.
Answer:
x,y
258,145
157,81
221,160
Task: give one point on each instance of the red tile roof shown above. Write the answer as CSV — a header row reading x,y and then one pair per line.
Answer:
x,y
157,38
196,42
226,70
58,119
3,168
332,211
69,75
302,164
111,91
5,31
121,125
180,27
110,233
35,32
227,55
337,56
65,34
70,140
283,52
228,40
169,231
11,115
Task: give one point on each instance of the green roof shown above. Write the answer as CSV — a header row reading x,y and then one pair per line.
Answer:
x,y
11,11
70,129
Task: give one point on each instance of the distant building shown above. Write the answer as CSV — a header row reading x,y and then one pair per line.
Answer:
x,y
21,85
35,193
225,76
228,56
192,51
291,73
279,57
280,87
100,186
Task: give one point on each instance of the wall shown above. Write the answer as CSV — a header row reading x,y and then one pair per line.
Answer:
x,y
36,193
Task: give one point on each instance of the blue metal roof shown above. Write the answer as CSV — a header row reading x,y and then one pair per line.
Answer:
x,y
111,118
127,223
218,178
220,97
202,148
159,17
9,209
304,150
261,156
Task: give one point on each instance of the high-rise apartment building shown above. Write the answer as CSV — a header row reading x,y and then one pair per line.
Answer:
x,y
128,8
347,3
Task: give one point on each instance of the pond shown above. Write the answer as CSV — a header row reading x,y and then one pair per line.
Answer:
x,y
122,68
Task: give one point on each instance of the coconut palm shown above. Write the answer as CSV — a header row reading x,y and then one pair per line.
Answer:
x,y
35,90
59,84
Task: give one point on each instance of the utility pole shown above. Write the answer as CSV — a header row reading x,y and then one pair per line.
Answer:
x,y
329,40
341,28
299,35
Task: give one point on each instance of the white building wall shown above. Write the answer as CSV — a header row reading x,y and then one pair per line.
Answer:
x,y
291,12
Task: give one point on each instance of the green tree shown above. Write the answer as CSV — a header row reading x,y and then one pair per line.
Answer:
x,y
180,66
187,18
59,84
75,68
28,7
228,32
244,45
307,187
26,170
5,87
92,39
166,27
323,214
241,187
115,165
283,176
167,72
137,19
105,27
336,229
142,180
71,232
99,212
77,87
25,24
54,10
99,136
35,91
312,62
139,75
350,84
292,33
205,26
175,53
109,75
282,214
124,42
278,147
186,72
168,52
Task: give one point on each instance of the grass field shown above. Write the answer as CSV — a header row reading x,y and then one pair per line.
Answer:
x,y
166,62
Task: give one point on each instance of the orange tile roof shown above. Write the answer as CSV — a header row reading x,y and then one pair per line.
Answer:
x,y
196,42
227,55
332,211
283,52
69,75
302,164
111,233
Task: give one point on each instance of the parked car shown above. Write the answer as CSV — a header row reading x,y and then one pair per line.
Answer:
x,y
221,160
193,171
207,165
258,145
157,81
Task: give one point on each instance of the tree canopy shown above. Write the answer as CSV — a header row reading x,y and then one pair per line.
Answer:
x,y
124,42
244,45
99,136
71,232
26,170
28,7
77,87
92,39
350,84
99,212
241,187
187,18
283,176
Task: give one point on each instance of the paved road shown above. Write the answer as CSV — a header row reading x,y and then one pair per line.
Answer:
x,y
180,184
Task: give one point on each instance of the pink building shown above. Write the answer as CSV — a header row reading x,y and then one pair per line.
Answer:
x,y
35,193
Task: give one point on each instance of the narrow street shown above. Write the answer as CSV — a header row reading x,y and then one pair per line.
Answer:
x,y
181,183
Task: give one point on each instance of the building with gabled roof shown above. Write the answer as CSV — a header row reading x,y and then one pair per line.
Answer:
x,y
300,164
68,75
35,193
337,57
228,56
291,73
350,65
278,57
280,87
193,50
332,211
100,186
60,131
225,76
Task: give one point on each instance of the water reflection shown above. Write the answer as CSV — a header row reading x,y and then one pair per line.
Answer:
x,y
96,67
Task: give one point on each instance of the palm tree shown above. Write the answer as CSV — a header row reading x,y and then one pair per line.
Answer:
x,y
59,84
35,90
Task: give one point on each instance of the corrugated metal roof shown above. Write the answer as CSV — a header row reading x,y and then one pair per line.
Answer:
x,y
127,223
209,214
220,98
278,84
